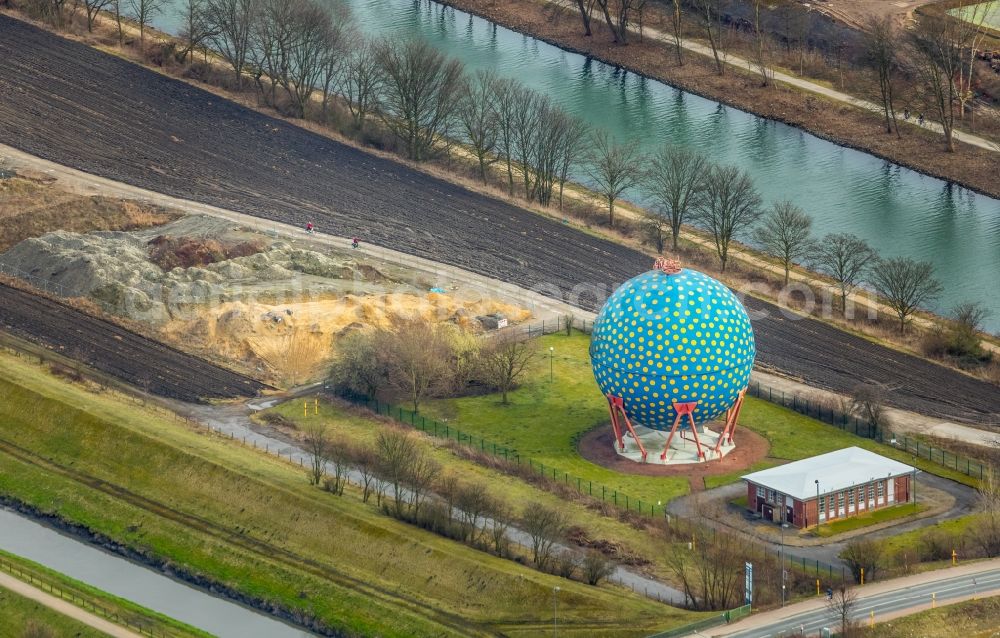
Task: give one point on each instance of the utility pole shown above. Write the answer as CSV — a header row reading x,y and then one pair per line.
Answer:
x,y
782,559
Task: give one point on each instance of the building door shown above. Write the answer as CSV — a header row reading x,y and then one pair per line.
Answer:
x,y
767,512
789,514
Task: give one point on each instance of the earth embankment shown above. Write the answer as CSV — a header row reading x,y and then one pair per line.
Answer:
x,y
76,106
117,351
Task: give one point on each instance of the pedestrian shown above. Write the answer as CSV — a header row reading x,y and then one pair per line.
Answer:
x,y
906,114
354,242
920,119
310,227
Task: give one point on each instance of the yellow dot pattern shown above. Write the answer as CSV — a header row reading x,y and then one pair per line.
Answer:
x,y
663,338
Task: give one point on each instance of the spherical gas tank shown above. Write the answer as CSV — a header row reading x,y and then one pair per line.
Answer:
x,y
672,335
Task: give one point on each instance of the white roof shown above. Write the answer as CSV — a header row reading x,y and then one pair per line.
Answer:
x,y
835,471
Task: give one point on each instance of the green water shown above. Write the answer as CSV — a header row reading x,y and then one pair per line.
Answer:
x,y
899,211
987,13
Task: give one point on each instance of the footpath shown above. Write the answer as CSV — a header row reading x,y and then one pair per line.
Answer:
x,y
61,606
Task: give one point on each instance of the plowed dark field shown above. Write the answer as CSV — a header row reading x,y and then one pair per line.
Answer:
x,y
116,351
76,106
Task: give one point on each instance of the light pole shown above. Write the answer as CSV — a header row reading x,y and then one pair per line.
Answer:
x,y
555,611
817,504
552,352
782,559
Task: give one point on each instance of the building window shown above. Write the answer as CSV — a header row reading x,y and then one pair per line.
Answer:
x,y
770,496
871,492
881,491
760,492
850,499
840,500
822,503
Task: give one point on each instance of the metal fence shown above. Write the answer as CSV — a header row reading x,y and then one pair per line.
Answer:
x,y
852,424
714,621
82,603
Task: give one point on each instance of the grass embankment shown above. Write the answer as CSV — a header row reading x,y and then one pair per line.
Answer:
x,y
873,518
545,418
516,492
100,603
20,615
973,618
252,523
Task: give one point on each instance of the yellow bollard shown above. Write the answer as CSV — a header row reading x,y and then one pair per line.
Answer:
x,y
871,621
317,405
933,600
305,409
862,575
817,587
954,555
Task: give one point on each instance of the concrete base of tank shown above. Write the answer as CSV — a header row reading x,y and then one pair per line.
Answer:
x,y
682,447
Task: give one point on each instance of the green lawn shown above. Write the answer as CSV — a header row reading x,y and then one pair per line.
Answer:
x,y
545,418
874,518
972,619
252,522
94,600
18,614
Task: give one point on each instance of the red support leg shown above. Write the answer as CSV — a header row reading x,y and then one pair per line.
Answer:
x,y
682,409
694,429
732,416
617,405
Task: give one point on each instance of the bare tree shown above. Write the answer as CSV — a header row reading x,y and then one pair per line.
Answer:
x,y
710,574
197,27
341,455
596,567
477,114
713,13
528,109
421,472
675,181
420,92
881,48
761,50
504,360
507,104
318,447
574,138
906,284
316,38
869,399
366,462
730,207
232,22
361,363
842,604
967,323
586,8
545,526
987,524
865,553
500,518
846,258
395,449
942,45
614,168
784,233
677,28
618,15
360,84
474,503
143,12
419,355
93,8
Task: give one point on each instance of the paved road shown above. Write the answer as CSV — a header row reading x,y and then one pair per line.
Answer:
x,y
66,609
893,598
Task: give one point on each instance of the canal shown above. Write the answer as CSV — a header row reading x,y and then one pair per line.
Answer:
x,y
899,211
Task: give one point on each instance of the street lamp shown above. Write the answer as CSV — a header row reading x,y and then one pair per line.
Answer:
x,y
817,504
555,611
552,352
783,526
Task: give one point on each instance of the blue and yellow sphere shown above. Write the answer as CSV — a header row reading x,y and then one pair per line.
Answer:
x,y
680,337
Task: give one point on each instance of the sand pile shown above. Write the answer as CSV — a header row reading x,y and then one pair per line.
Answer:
x,y
294,342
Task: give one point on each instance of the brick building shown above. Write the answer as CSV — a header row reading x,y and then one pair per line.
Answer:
x,y
838,484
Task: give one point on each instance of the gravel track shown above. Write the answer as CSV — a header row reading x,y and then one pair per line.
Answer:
x,y
117,351
76,106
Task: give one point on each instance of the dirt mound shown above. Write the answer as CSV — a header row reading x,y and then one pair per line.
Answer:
x,y
184,252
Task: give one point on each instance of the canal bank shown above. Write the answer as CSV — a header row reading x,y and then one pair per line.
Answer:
x,y
92,559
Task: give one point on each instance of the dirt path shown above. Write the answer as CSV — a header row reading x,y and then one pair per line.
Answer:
x,y
73,105
66,609
111,349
